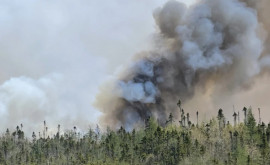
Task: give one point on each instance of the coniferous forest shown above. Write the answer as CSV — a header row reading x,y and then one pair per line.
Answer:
x,y
216,141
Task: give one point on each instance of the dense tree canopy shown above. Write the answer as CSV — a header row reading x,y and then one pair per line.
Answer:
x,y
212,142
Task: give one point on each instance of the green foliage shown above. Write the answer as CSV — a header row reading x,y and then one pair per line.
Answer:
x,y
251,123
211,142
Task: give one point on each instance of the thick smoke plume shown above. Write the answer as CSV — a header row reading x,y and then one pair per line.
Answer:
x,y
214,44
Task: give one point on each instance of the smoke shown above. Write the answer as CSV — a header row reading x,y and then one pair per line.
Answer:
x,y
262,9
213,49
55,54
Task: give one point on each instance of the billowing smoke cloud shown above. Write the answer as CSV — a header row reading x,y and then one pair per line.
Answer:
x,y
214,45
31,96
27,101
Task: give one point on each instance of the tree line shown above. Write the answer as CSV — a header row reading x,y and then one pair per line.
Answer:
x,y
178,142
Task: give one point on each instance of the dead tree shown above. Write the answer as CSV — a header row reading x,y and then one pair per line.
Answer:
x,y
259,116
197,114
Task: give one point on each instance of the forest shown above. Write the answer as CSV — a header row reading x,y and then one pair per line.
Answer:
x,y
216,142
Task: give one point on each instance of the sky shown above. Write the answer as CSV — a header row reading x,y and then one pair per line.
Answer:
x,y
54,55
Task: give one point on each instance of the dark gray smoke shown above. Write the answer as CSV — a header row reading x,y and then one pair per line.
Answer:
x,y
215,44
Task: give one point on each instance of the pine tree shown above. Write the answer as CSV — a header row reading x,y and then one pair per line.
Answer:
x,y
245,115
170,120
251,123
221,119
234,118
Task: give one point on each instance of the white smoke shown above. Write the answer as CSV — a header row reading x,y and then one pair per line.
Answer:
x,y
216,42
143,92
24,99
82,42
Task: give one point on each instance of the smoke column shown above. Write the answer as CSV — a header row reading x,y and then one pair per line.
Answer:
x,y
216,45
